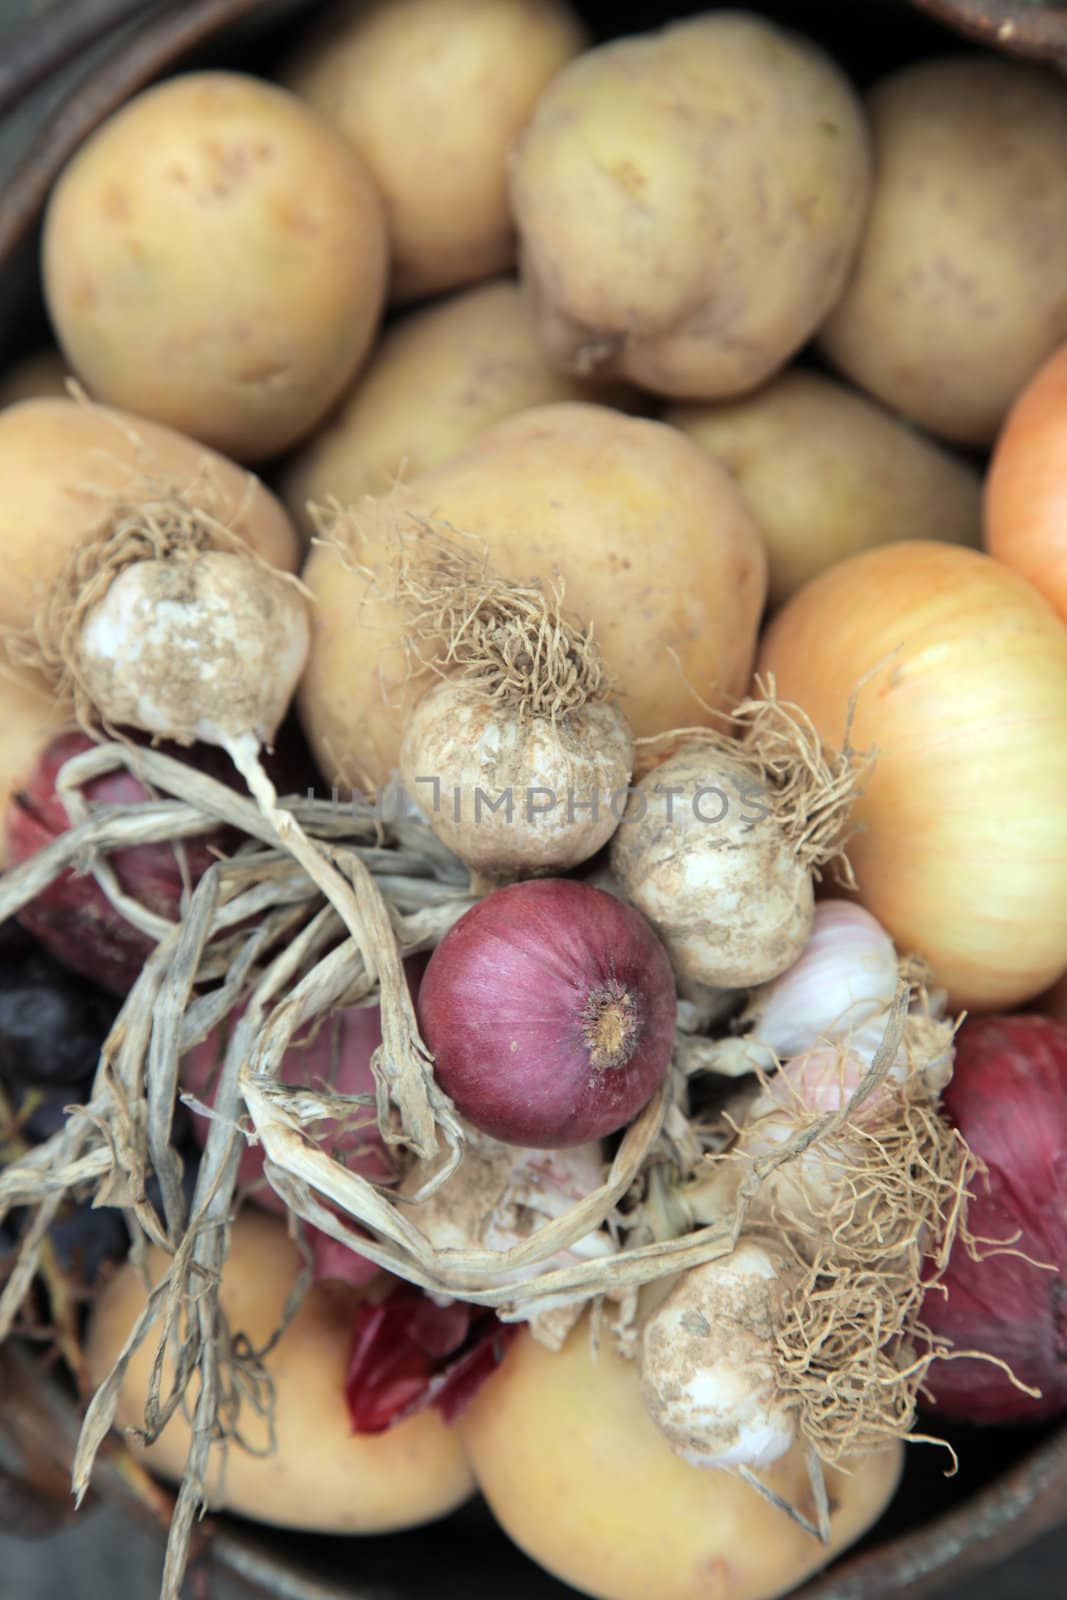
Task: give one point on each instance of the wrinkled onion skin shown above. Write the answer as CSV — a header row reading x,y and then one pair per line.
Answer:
x,y
1026,488
961,672
501,1010
1008,1096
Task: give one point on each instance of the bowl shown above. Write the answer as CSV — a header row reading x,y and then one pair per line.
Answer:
x,y
1011,1485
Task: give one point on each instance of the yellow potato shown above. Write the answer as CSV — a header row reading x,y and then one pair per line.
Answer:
x,y
654,542
42,373
689,202
60,464
958,289
321,1477
433,94
829,473
29,720
439,377
214,258
577,1473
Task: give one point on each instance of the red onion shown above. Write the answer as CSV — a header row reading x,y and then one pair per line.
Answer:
x,y
409,1353
1008,1097
335,1054
73,918
549,1008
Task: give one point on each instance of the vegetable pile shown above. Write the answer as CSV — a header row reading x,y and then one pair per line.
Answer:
x,y
500,917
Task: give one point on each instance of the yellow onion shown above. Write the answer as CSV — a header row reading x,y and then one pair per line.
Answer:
x,y
961,672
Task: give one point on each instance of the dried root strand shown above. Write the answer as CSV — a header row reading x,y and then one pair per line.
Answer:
x,y
850,1316
511,643
811,787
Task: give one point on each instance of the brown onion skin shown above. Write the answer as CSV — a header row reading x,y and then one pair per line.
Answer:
x,y
1008,1097
550,1011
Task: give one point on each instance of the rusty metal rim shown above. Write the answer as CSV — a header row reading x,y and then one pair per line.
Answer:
x,y
1028,1500
1037,29
153,48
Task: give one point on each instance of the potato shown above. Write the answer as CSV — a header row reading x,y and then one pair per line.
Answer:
x,y
29,720
321,1477
656,547
577,1473
433,93
438,378
61,462
43,372
958,291
828,473
689,202
214,258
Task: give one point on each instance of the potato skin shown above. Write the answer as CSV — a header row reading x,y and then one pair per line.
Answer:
x,y
438,377
957,293
829,473
655,545
322,1477
61,460
578,1474
663,181
214,258
433,94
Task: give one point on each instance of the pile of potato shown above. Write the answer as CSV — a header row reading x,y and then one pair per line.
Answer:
x,y
680,317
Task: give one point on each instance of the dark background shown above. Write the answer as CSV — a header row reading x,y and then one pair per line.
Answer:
x,y
101,1555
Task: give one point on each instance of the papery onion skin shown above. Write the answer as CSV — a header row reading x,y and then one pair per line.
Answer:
x,y
1008,1097
1026,487
550,1010
336,1055
73,918
961,673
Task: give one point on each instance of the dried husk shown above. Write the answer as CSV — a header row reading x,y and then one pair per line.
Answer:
x,y
260,927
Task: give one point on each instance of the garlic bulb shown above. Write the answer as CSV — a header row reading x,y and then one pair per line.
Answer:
x,y
840,988
207,647
514,794
708,1369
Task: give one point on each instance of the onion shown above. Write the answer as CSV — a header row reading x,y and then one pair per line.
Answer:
x,y
334,1055
959,669
550,1009
73,918
1026,488
409,1353
1008,1097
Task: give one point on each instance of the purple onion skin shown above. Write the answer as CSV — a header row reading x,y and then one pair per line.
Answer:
x,y
550,1011
1008,1097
